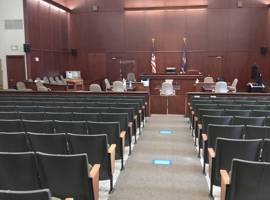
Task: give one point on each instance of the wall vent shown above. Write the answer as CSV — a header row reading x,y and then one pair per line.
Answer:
x,y
13,24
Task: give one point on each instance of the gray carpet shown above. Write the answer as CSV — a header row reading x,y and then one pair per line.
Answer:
x,y
141,180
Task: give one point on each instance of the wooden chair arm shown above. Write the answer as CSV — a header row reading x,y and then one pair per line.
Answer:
x,y
130,124
94,174
123,137
225,182
111,151
195,119
199,126
192,113
140,111
211,153
211,156
69,198
143,107
204,137
135,117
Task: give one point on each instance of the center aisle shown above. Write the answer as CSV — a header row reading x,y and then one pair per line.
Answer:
x,y
143,180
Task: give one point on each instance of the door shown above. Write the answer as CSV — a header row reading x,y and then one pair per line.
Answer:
x,y
215,66
15,70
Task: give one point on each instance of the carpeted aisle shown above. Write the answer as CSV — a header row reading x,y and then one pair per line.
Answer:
x,y
142,180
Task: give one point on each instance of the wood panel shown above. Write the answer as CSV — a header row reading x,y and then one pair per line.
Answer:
x,y
47,32
15,70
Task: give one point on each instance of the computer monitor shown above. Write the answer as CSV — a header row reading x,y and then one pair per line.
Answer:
x,y
145,82
73,75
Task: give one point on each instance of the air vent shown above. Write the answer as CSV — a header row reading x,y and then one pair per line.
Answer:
x,y
13,24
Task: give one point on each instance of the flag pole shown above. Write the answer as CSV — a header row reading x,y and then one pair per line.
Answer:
x,y
153,43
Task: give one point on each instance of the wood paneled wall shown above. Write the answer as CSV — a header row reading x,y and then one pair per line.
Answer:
x,y
233,36
222,30
47,32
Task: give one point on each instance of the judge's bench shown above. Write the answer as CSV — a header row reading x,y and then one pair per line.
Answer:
x,y
171,104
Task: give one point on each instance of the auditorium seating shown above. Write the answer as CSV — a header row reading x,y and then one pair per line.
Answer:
x,y
42,194
248,181
225,151
42,121
249,122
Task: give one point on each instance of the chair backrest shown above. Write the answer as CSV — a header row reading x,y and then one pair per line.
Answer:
x,y
257,132
85,116
256,121
254,107
208,79
221,87
266,150
48,143
42,194
118,86
111,129
18,171
96,148
228,149
9,115
35,126
234,83
13,142
223,131
58,81
41,87
249,181
166,89
52,81
131,77
46,80
65,175
107,84
219,120
75,127
242,113
211,112
11,126
95,88
32,115
63,116
20,85
260,113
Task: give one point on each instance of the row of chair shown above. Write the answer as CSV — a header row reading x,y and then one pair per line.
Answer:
x,y
96,147
224,138
65,175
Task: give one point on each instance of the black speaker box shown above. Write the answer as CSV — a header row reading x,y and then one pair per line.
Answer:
x,y
264,50
73,51
27,47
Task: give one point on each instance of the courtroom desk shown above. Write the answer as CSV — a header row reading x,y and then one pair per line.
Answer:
x,y
76,84
173,104
170,104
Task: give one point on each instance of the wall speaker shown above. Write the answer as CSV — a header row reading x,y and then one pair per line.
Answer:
x,y
264,50
27,47
73,51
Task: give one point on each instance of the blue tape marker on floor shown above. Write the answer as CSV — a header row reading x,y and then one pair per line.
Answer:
x,y
166,132
162,162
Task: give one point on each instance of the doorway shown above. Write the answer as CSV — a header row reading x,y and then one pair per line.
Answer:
x,y
215,66
15,70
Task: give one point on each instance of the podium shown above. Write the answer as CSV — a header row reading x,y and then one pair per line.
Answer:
x,y
173,104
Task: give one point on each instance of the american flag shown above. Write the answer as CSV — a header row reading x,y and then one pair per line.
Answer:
x,y
184,57
153,63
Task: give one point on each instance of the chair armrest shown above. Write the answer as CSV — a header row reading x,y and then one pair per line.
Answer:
x,y
225,182
195,118
123,136
94,174
135,117
204,137
140,111
199,126
130,124
69,198
211,156
111,152
143,107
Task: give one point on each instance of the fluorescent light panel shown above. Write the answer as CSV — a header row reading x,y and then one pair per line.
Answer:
x,y
165,8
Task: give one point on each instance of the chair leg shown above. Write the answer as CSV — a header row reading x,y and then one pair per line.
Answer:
x,y
111,184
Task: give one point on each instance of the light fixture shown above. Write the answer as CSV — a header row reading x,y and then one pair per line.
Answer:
x,y
165,8
56,5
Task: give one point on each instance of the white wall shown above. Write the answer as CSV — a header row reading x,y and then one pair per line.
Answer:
x,y
10,9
